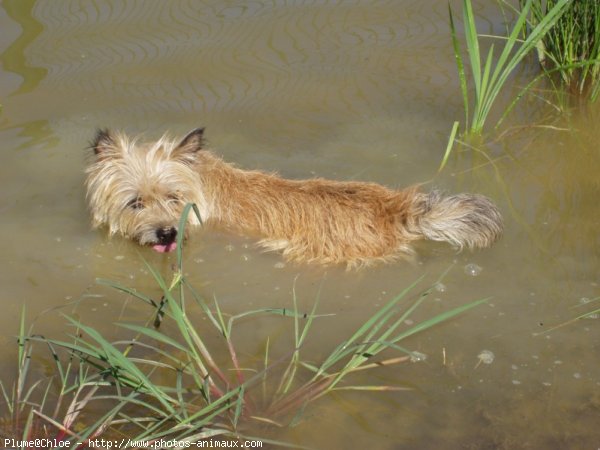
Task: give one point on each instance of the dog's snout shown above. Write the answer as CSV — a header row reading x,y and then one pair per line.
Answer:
x,y
166,235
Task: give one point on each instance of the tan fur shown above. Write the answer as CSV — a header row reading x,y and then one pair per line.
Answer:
x,y
139,191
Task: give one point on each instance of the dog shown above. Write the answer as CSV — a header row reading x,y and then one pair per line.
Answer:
x,y
139,190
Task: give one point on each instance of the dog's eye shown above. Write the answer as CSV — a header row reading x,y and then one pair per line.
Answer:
x,y
135,203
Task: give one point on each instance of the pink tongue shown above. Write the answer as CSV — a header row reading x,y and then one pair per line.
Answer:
x,y
165,248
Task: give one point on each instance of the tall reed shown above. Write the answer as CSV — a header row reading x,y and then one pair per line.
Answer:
x,y
489,74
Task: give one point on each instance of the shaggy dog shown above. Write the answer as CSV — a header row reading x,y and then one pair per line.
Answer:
x,y
139,190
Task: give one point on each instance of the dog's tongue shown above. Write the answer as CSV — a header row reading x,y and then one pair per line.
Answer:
x,y
165,248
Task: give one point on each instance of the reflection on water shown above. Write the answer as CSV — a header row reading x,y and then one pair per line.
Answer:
x,y
14,57
348,90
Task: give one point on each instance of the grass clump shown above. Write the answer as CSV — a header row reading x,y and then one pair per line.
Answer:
x,y
572,45
175,384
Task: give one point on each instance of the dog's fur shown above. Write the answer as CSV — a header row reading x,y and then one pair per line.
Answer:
x,y
139,191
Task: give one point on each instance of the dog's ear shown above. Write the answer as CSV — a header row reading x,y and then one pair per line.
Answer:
x,y
189,146
194,140
102,141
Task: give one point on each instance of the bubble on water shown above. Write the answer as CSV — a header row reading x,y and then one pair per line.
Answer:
x,y
417,356
546,383
229,248
279,265
577,375
440,287
584,300
516,382
119,257
486,356
473,269
409,322
245,257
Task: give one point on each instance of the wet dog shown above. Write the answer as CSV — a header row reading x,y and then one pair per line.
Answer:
x,y
139,190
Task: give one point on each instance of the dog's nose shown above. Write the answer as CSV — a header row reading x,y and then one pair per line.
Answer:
x,y
166,235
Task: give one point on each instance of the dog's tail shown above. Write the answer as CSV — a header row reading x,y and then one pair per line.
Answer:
x,y
463,220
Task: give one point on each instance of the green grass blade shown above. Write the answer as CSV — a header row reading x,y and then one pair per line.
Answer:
x,y
218,321
460,66
239,406
437,319
181,233
92,351
153,334
449,146
485,80
126,290
8,400
472,41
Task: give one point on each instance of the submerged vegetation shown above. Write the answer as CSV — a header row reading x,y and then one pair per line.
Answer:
x,y
172,385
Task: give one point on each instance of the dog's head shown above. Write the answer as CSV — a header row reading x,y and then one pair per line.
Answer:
x,y
139,190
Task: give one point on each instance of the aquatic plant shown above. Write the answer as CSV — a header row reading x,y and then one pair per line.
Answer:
x,y
490,74
47,407
572,45
176,384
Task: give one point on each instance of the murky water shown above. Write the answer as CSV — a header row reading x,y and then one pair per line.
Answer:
x,y
348,90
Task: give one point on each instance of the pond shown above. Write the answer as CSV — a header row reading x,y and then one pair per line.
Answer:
x,y
348,90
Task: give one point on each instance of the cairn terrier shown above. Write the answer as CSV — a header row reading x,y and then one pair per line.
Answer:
x,y
139,191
